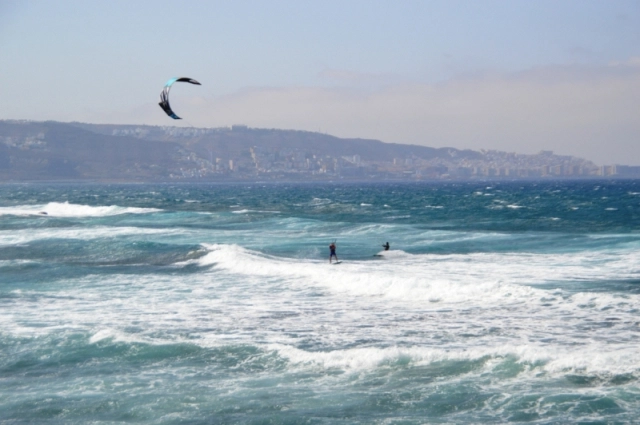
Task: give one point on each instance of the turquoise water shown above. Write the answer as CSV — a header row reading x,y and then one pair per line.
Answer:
x,y
207,304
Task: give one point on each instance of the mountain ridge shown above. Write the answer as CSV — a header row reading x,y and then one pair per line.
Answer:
x,y
51,150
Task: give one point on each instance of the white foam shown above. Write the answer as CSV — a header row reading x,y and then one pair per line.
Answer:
x,y
116,335
416,310
477,278
106,334
14,237
393,254
552,361
245,211
65,209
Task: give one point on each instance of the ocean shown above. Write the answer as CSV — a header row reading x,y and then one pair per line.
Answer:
x,y
498,302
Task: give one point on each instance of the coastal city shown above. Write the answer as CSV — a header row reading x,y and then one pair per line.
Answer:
x,y
271,163
80,151
299,164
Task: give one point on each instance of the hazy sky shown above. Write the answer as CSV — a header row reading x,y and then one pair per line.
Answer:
x,y
513,75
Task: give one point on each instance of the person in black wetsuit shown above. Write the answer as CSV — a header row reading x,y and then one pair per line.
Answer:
x,y
386,246
332,254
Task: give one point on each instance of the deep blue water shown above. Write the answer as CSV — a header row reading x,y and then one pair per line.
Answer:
x,y
203,304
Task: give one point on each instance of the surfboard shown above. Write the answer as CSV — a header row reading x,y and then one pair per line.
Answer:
x,y
337,262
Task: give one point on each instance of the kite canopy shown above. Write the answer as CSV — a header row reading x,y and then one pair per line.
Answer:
x,y
164,95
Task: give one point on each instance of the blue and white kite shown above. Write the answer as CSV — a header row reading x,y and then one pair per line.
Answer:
x,y
164,95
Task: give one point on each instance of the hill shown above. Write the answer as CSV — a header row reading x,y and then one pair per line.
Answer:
x,y
79,151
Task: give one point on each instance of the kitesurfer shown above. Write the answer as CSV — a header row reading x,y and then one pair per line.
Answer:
x,y
332,254
386,246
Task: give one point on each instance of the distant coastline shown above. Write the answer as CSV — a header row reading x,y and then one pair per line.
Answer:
x,y
79,152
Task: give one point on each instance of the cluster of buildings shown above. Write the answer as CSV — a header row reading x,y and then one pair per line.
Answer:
x,y
292,164
267,162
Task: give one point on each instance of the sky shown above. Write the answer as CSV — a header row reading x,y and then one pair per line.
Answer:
x,y
512,75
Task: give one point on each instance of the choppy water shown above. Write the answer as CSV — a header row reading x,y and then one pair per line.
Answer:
x,y
206,304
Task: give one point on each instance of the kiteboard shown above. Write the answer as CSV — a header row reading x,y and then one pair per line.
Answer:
x,y
337,262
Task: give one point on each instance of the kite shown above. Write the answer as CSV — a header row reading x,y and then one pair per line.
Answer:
x,y
164,95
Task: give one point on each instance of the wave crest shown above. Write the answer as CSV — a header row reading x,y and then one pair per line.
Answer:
x,y
65,209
